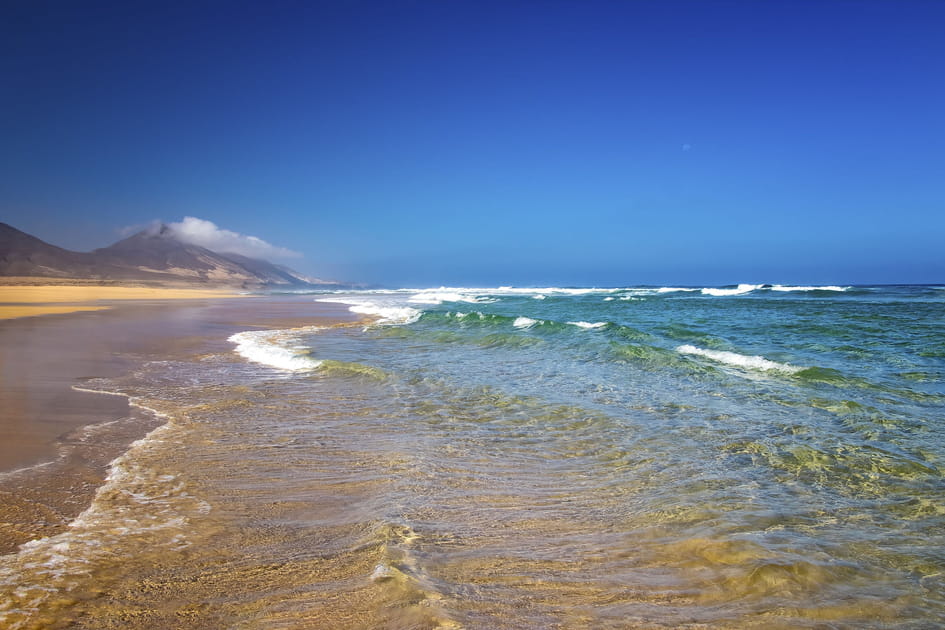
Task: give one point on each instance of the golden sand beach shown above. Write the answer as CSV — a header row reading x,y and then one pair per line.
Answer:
x,y
27,300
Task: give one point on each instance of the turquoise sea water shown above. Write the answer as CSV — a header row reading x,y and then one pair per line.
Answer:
x,y
541,458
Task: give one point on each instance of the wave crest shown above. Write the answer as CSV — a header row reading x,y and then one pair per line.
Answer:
x,y
384,314
589,325
438,297
276,348
524,322
739,360
779,287
739,290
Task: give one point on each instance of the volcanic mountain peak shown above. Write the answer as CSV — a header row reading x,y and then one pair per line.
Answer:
x,y
160,250
154,255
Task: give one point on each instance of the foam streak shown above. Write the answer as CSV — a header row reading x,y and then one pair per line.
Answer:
x,y
739,360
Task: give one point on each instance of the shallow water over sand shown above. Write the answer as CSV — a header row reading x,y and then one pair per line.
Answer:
x,y
480,470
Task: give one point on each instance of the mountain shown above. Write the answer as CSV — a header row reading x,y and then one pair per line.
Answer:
x,y
25,255
272,273
153,256
157,252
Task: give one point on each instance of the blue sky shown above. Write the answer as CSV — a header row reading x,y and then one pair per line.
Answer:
x,y
442,142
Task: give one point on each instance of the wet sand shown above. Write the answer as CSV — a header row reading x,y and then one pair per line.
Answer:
x,y
30,310
55,441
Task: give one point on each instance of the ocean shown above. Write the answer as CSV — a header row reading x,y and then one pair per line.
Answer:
x,y
750,456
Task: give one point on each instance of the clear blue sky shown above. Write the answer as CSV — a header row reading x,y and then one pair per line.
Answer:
x,y
441,142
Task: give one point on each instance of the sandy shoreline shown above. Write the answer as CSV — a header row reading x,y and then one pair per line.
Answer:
x,y
56,441
28,300
15,311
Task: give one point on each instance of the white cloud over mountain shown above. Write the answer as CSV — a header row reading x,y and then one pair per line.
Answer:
x,y
207,234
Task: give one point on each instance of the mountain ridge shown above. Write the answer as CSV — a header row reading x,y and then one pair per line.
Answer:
x,y
153,256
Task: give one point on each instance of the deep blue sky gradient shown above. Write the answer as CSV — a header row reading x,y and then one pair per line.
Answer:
x,y
441,142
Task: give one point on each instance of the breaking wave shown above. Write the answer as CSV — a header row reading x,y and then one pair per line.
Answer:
x,y
276,348
739,360
438,297
779,287
525,322
739,290
744,289
589,325
675,290
385,314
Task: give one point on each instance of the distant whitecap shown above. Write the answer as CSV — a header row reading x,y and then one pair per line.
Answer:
x,y
589,325
739,360
739,290
524,322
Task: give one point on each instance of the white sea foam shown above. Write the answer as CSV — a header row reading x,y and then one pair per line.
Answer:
x,y
739,290
524,322
589,325
391,313
276,348
100,391
486,292
474,295
438,297
545,291
388,314
739,360
135,500
779,287
17,471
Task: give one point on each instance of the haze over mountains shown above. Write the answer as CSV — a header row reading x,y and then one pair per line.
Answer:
x,y
154,256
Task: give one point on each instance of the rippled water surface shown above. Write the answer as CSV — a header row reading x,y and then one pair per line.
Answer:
x,y
744,457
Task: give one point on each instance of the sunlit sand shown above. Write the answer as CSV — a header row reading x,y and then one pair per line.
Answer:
x,y
32,300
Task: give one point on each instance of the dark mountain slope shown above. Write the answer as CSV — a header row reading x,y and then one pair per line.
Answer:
x,y
158,252
273,274
25,255
152,256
